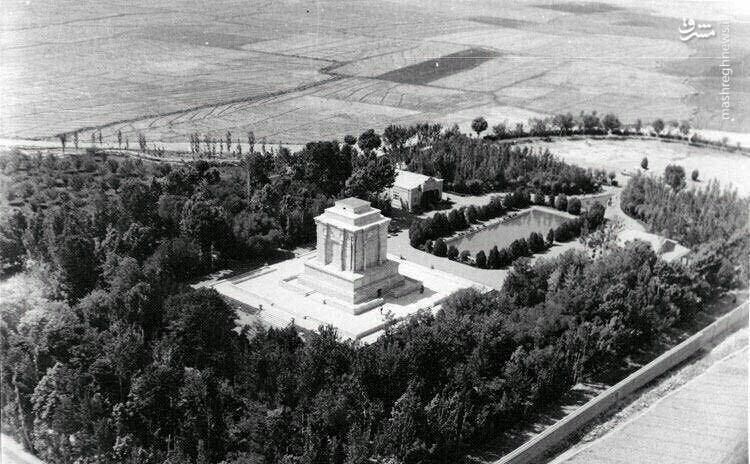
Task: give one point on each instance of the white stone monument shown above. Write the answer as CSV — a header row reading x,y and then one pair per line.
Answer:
x,y
351,269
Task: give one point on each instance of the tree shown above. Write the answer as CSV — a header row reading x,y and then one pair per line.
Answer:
x,y
350,139
199,330
12,248
368,140
479,125
638,126
674,176
119,138
395,138
658,126
574,206
371,175
63,139
610,122
75,139
480,259
694,175
440,249
504,258
251,141
564,122
493,259
471,214
500,130
536,243
561,202
324,165
551,237
207,224
452,252
644,163
142,142
519,248
457,220
76,263
228,141
255,167
591,122
684,127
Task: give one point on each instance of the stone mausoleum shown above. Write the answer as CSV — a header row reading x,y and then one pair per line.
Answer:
x,y
351,267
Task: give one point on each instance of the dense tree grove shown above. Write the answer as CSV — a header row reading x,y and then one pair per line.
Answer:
x,y
73,211
710,220
476,166
118,360
136,372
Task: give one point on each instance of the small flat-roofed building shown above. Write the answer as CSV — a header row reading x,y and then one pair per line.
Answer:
x,y
665,248
411,190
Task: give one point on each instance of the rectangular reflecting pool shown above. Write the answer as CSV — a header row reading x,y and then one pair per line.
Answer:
x,y
503,233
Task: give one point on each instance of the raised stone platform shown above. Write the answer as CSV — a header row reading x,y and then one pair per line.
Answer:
x,y
280,298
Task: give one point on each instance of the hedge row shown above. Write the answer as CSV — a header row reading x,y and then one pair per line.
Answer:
x,y
442,225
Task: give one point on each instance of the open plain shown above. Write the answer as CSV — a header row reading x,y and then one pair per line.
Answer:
x,y
296,71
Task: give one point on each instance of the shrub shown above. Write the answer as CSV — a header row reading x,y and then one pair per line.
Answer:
x,y
574,206
464,256
550,237
452,252
481,260
694,175
440,248
644,163
561,202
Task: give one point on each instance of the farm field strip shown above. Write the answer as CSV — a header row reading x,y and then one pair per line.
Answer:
x,y
169,64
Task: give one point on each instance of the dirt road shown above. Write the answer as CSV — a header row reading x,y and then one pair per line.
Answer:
x,y
703,421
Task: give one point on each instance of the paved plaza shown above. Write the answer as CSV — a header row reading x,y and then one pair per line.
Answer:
x,y
278,305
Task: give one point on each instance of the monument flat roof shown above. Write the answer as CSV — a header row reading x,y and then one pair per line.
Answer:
x,y
355,204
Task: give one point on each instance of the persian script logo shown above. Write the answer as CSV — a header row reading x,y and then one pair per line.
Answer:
x,y
689,30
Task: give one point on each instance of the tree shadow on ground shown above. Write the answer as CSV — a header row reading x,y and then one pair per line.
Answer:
x,y
496,448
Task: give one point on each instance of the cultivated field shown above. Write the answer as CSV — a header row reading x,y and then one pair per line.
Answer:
x,y
293,71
